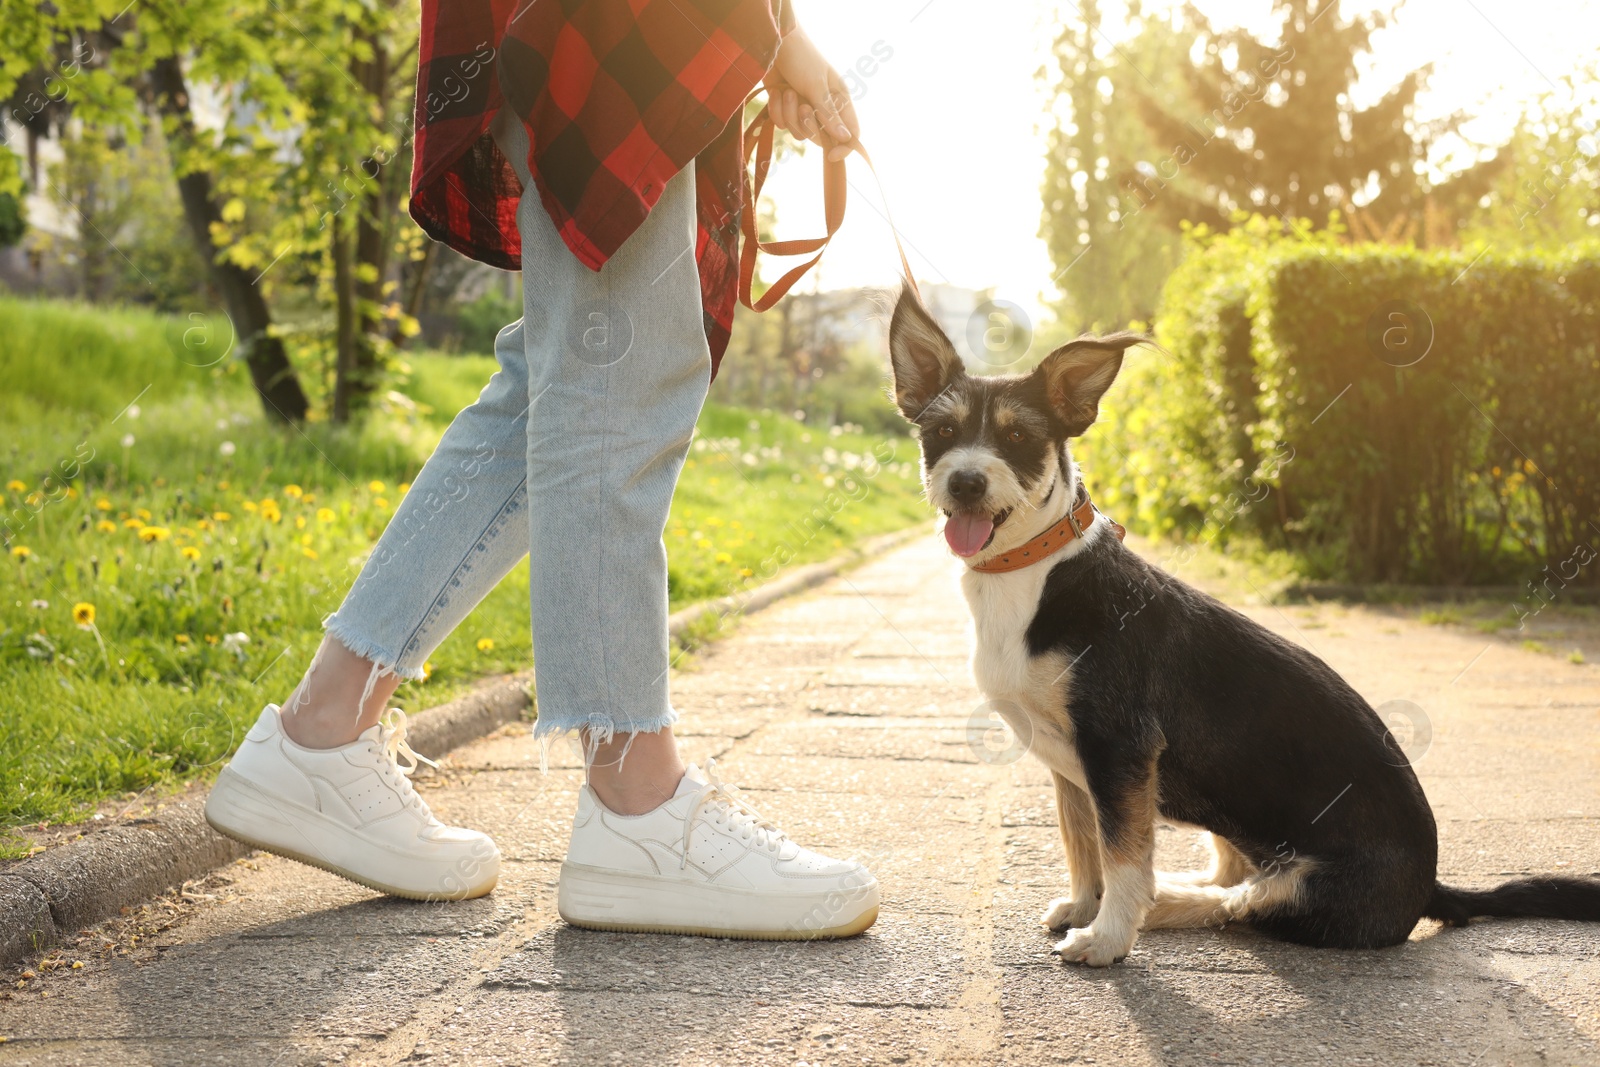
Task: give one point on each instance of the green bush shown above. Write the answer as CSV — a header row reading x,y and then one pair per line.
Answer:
x,y
481,320
1388,413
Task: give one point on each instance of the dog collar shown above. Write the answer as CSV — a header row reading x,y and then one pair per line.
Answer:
x,y
1050,542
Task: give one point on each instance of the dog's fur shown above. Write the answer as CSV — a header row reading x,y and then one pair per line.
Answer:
x,y
1149,700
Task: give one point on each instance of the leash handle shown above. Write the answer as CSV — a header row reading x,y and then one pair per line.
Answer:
x,y
758,144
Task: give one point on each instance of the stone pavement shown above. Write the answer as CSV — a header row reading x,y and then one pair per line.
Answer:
x,y
845,715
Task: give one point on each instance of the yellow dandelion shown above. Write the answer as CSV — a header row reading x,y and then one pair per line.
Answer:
x,y
147,534
221,516
83,614
381,504
182,639
299,522
143,513
745,572
212,639
249,505
22,552
206,524
16,486
375,485
293,492
223,485
723,557
106,526
102,504
190,552
325,515
485,644
427,670
308,553
269,511
133,524
403,488
704,542
35,499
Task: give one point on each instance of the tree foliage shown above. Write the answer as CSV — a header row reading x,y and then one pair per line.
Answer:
x,y
1183,121
1109,262
288,129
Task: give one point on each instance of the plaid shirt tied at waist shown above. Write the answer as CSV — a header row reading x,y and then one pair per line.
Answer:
x,y
617,97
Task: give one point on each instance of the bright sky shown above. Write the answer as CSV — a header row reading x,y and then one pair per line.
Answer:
x,y
955,118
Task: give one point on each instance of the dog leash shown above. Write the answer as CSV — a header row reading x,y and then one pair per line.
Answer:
x,y
758,143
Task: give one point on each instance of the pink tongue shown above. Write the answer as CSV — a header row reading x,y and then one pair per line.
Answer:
x,y
966,532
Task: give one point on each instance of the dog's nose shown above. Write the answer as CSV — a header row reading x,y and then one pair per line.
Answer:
x,y
968,487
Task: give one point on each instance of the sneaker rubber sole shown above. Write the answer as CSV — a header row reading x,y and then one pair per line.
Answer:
x,y
235,801
598,899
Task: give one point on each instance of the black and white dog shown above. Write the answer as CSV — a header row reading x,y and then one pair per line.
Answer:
x,y
1149,700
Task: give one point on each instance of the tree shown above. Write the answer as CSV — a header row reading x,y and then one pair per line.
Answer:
x,y
1110,260
1271,126
1185,122
1548,194
308,170
270,370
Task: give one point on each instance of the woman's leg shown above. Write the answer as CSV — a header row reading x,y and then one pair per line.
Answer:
x,y
459,530
619,366
321,780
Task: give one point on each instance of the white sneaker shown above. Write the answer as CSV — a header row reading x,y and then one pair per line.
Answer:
x,y
705,863
351,810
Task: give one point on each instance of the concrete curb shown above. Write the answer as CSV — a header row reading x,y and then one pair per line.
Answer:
x,y
65,889
56,893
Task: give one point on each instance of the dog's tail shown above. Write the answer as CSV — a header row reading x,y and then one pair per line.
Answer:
x,y
1540,897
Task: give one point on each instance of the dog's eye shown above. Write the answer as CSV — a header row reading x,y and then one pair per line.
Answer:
x,y
947,431
1016,435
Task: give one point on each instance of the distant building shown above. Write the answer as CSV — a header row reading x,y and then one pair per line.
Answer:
x,y
860,316
952,307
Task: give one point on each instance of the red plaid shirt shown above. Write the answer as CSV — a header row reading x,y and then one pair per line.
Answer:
x,y
617,96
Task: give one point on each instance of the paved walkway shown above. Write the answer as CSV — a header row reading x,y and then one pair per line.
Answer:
x,y
845,714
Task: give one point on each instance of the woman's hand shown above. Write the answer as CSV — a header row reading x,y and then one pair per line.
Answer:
x,y
808,99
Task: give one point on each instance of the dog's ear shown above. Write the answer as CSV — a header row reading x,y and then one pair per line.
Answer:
x,y
924,360
1077,375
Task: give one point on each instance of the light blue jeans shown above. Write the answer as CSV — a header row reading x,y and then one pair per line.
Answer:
x,y
570,456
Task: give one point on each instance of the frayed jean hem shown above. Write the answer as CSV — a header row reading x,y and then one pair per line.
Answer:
x,y
385,660
600,730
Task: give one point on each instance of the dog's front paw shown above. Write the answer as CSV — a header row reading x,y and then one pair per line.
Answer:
x,y
1095,949
1064,912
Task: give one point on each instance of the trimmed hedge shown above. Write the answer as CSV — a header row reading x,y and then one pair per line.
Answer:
x,y
1389,414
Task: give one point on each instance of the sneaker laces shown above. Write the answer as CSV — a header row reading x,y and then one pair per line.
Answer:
x,y
401,756
731,811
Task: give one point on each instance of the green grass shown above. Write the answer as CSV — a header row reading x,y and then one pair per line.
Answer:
x,y
185,519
